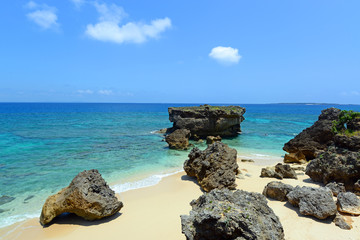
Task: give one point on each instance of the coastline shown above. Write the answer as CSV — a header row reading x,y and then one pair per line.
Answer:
x,y
154,213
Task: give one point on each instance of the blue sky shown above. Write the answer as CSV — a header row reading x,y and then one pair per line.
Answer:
x,y
180,51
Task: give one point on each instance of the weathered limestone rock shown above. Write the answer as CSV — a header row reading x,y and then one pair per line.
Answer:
x,y
336,188
277,190
297,157
335,165
280,171
313,139
179,139
349,203
207,120
212,139
341,222
317,202
227,215
215,167
87,196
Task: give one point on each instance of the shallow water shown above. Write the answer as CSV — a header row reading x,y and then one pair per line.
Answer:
x,y
44,145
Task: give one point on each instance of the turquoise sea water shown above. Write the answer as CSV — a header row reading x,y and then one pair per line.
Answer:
x,y
44,145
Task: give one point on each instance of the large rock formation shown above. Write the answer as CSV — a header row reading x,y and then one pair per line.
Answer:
x,y
335,165
227,215
215,167
179,139
87,196
319,136
207,120
317,202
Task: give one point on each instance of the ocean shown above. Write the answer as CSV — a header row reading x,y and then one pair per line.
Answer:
x,y
44,145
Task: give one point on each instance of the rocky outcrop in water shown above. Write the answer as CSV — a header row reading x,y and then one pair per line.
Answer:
x,y
179,139
206,120
310,141
348,203
317,202
227,215
87,196
215,167
277,190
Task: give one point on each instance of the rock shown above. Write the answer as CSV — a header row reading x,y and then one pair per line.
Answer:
x,y
285,170
341,222
277,190
317,137
6,199
280,171
87,196
270,172
195,137
349,203
351,143
207,120
298,169
247,160
227,215
317,202
335,165
212,139
354,124
336,188
357,185
162,131
215,167
297,157
179,139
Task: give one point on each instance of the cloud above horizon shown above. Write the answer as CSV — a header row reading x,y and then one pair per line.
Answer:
x,y
78,3
225,55
109,28
42,15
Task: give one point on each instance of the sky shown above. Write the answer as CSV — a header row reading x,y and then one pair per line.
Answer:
x,y
204,51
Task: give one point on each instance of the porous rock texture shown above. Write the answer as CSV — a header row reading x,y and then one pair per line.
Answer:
x,y
336,188
215,167
179,139
319,136
227,215
212,139
280,171
206,120
317,202
277,190
88,196
348,203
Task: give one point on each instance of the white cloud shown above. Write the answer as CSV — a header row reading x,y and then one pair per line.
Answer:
x,y
109,29
42,15
105,92
87,91
78,3
227,55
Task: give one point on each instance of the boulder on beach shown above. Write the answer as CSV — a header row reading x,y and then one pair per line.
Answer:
x,y
277,190
88,196
341,222
206,120
280,171
307,144
179,139
336,188
215,167
348,203
226,215
317,202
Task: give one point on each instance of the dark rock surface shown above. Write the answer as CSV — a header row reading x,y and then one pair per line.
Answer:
x,y
215,167
87,196
336,188
227,215
247,160
277,190
317,202
317,137
341,222
349,203
280,171
207,120
351,143
335,165
6,199
179,139
212,139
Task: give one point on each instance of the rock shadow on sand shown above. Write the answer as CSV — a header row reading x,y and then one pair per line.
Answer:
x,y
191,179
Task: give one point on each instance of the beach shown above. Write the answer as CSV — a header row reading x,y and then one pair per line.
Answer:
x,y
154,213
